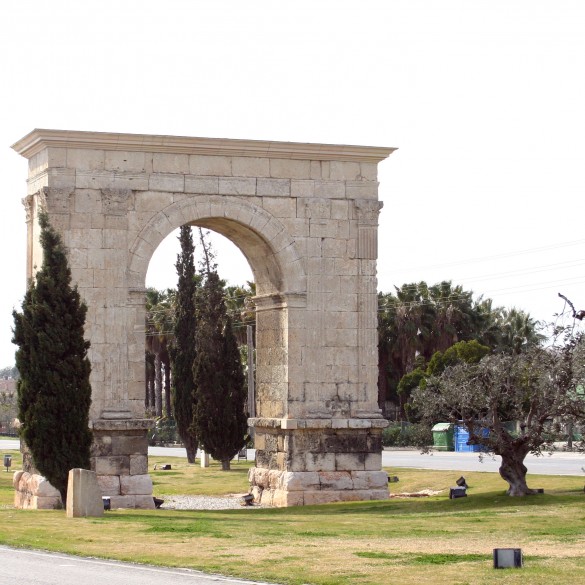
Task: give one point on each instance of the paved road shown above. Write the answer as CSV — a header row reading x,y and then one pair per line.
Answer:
x,y
558,463
24,567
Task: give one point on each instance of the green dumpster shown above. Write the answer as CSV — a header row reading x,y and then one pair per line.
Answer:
x,y
443,439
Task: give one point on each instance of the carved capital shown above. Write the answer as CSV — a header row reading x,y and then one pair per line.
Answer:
x,y
41,198
367,211
115,201
55,200
28,203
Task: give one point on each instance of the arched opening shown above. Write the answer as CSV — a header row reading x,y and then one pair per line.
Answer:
x,y
275,265
161,286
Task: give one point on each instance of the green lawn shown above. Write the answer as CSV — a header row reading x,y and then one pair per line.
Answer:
x,y
415,540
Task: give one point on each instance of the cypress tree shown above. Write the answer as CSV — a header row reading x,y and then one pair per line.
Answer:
x,y
218,417
54,393
183,348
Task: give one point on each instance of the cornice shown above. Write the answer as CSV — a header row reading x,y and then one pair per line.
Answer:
x,y
39,139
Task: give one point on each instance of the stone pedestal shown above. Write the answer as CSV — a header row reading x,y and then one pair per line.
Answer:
x,y
119,457
317,461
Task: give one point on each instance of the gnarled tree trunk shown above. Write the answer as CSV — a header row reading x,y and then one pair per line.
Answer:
x,y
514,471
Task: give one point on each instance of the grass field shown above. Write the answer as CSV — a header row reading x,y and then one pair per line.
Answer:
x,y
407,541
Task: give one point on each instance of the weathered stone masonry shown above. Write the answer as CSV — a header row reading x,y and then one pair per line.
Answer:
x,y
306,218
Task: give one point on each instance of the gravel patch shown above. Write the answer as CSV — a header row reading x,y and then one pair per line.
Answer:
x,y
205,503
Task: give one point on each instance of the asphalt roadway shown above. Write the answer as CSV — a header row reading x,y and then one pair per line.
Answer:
x,y
29,567
558,463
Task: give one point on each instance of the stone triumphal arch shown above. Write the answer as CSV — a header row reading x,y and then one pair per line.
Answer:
x,y
306,218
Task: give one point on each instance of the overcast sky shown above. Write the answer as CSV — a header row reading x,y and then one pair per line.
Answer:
x,y
485,101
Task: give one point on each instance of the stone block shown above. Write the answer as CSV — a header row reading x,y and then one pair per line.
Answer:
x,y
43,503
87,201
130,444
324,228
109,484
336,480
350,461
38,485
237,186
249,166
210,165
313,498
273,188
144,502
132,485
290,169
288,423
369,480
339,209
281,208
299,481
16,477
120,160
330,189
138,463
369,171
258,476
334,247
127,502
320,462
85,159
113,465
163,162
201,185
361,190
266,497
84,495
300,188
346,442
274,478
344,170
357,423
166,182
373,461
382,494
152,201
281,499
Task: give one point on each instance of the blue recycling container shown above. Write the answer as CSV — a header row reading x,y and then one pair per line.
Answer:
x,y
462,438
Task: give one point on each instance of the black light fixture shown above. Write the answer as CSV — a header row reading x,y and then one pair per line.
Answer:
x,y
508,558
107,503
7,461
457,492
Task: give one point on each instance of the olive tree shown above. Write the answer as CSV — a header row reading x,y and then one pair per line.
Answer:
x,y
536,389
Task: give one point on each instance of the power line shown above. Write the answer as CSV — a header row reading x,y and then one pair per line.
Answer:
x,y
494,257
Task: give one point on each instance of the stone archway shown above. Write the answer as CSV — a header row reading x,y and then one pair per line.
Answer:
x,y
305,216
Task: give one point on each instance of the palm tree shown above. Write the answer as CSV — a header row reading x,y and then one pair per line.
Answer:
x,y
159,323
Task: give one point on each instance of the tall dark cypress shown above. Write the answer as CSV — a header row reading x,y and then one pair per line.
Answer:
x,y
183,348
218,418
54,393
